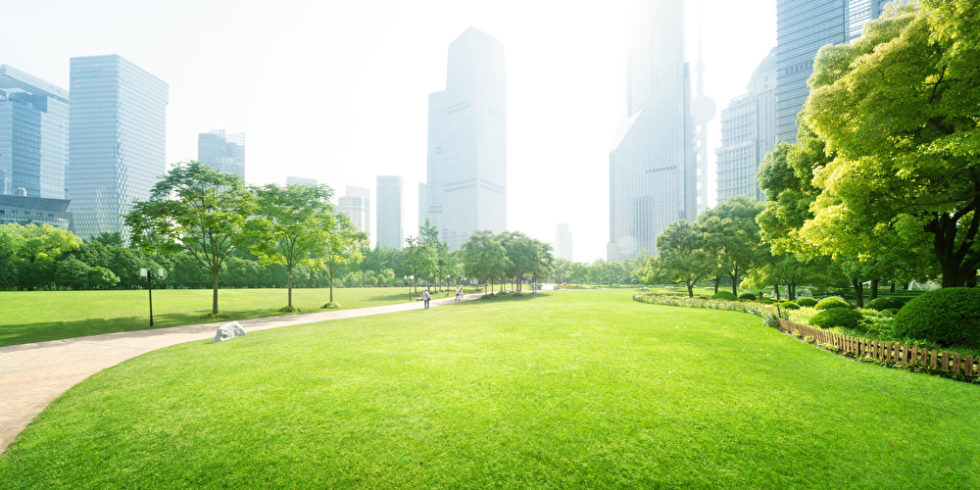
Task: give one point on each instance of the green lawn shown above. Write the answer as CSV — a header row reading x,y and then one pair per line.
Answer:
x,y
35,316
571,389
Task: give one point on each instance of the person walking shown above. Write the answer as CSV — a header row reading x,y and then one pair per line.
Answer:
x,y
459,293
426,297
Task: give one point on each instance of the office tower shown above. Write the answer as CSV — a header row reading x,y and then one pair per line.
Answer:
x,y
704,109
117,136
653,167
224,152
33,135
563,242
466,177
423,199
389,189
356,204
292,180
25,210
802,28
748,134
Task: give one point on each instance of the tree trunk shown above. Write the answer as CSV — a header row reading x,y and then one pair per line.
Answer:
x,y
690,290
971,281
874,289
330,278
717,282
775,288
734,285
892,289
214,295
289,282
791,291
858,292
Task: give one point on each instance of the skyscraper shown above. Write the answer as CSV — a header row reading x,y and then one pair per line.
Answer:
x,y
748,134
466,177
224,152
389,189
356,204
704,109
33,135
653,166
117,135
563,242
802,28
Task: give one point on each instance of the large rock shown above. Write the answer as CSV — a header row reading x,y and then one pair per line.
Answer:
x,y
229,331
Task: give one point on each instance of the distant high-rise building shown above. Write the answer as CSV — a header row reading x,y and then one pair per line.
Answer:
x,y
224,152
33,135
25,210
291,180
423,200
117,140
748,134
653,165
356,204
704,109
802,28
389,189
466,186
563,242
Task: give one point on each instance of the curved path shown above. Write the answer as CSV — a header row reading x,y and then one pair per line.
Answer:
x,y
33,375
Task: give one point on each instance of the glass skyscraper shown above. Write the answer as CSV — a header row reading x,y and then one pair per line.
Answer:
x,y
223,152
466,177
356,204
118,129
33,135
389,188
748,134
653,165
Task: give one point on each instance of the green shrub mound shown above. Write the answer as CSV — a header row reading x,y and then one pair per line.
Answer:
x,y
331,306
949,316
832,302
789,305
748,296
837,317
765,300
724,295
882,304
806,301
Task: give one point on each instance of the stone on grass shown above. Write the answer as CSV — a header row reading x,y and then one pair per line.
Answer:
x,y
229,331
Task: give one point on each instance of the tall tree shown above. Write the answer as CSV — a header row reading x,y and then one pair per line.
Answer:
x,y
731,235
683,257
344,245
197,209
34,250
484,257
291,228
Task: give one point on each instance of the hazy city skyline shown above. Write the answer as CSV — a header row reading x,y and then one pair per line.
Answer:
x,y
309,97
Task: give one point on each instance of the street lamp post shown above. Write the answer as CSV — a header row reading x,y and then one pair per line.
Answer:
x,y
148,274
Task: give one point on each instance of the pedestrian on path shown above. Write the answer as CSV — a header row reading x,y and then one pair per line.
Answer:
x,y
426,297
459,293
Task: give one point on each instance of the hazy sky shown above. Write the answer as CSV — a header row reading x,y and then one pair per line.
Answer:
x,y
337,90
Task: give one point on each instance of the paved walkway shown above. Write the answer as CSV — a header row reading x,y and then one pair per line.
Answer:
x,y
33,375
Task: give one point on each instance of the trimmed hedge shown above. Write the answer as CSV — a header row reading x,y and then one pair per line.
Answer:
x,y
724,295
837,317
948,316
806,301
832,302
766,300
789,305
748,296
882,304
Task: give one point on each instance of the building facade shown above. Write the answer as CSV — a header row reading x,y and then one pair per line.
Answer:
x,y
223,152
356,204
25,210
389,226
653,164
802,28
748,134
33,135
466,173
292,180
117,138
563,242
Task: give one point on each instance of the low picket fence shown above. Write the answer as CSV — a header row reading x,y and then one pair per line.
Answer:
x,y
891,352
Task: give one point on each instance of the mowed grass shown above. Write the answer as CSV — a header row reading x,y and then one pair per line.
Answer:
x,y
36,316
572,389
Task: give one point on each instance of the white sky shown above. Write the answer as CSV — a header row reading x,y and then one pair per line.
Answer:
x,y
337,90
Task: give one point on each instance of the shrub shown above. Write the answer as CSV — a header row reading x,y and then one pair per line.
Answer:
x,y
724,295
832,302
806,301
789,305
331,306
948,316
748,296
882,304
837,317
765,300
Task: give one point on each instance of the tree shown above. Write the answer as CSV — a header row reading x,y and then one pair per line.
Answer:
x,y
898,110
292,227
197,209
344,244
34,250
683,256
731,235
484,257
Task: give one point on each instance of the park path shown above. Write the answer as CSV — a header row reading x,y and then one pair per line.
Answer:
x,y
33,375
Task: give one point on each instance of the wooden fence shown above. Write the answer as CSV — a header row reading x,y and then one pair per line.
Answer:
x,y
888,351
